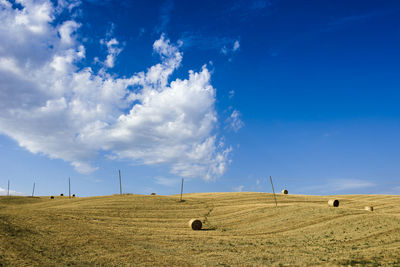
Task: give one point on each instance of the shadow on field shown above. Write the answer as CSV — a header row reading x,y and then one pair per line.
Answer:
x,y
207,229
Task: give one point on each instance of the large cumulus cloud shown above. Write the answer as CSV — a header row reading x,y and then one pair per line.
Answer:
x,y
50,106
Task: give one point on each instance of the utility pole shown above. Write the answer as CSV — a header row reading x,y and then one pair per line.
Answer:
x,y
273,191
69,187
120,183
8,191
181,190
33,190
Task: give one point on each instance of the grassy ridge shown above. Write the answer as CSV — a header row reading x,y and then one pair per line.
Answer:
x,y
240,229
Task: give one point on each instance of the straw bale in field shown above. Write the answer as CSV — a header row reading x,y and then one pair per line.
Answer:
x,y
285,192
333,203
195,224
51,197
369,208
153,194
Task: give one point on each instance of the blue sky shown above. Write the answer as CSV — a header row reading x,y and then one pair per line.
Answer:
x,y
222,93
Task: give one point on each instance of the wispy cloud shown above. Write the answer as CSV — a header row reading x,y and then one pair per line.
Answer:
x,y
227,46
340,185
245,9
100,2
236,46
113,50
141,32
165,16
349,19
259,4
167,181
206,42
339,22
229,49
3,192
250,5
231,94
394,190
234,122
239,188
348,184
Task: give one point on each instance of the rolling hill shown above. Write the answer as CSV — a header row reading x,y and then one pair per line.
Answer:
x,y
238,229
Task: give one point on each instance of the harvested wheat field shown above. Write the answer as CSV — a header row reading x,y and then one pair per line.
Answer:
x,y
238,229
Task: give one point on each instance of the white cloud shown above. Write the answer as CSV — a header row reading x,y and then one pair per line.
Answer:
x,y
394,190
226,50
66,30
141,32
3,192
34,17
339,185
247,8
239,188
113,52
170,182
259,4
49,106
234,122
236,45
165,15
347,184
231,93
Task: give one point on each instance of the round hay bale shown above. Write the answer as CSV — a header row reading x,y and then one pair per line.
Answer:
x,y
51,197
195,224
61,195
285,192
153,194
73,195
369,208
333,203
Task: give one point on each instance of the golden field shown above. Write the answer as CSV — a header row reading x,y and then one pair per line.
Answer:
x,y
244,229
